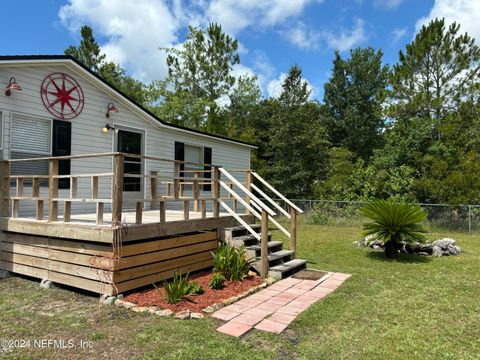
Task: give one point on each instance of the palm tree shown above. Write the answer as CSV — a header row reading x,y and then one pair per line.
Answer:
x,y
394,223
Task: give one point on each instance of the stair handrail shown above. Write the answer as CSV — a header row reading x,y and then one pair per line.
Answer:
x,y
270,200
247,192
274,222
240,220
252,210
276,192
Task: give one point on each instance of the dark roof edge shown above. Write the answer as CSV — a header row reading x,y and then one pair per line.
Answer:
x,y
71,58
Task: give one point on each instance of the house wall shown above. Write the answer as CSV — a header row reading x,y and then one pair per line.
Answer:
x,y
87,135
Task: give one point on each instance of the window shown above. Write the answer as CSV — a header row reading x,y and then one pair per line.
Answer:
x,y
29,138
192,155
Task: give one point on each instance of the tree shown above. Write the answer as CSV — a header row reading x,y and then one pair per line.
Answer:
x,y
437,71
241,114
394,223
200,73
353,99
88,52
295,140
295,89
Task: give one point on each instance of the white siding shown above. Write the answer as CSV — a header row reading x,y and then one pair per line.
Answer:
x,y
87,135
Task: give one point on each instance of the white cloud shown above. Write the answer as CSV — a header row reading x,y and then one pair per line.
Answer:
x,y
134,29
399,33
464,12
236,15
303,37
388,4
347,38
274,87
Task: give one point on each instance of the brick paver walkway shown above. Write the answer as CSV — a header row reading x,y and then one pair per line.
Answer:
x,y
275,307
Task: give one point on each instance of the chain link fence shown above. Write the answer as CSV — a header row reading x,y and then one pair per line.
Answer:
x,y
440,217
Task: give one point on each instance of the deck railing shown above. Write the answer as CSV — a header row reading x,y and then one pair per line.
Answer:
x,y
165,182
169,181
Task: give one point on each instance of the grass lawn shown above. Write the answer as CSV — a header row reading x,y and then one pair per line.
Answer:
x,y
415,307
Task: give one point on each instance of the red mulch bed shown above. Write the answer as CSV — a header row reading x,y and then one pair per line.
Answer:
x,y
194,303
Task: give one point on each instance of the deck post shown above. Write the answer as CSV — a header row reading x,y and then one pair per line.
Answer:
x,y
5,187
264,245
196,190
162,211
176,180
293,230
249,188
216,192
52,190
117,191
153,189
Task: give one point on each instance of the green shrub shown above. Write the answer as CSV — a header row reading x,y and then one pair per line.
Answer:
x,y
393,223
217,281
179,287
194,288
231,262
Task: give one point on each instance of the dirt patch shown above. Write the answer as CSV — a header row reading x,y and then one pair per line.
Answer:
x,y
194,303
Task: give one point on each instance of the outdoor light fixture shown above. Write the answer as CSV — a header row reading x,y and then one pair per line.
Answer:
x,y
12,86
107,128
111,109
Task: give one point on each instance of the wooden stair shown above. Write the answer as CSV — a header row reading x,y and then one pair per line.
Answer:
x,y
281,263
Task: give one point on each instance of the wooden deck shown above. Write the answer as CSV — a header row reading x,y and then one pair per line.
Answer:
x,y
47,233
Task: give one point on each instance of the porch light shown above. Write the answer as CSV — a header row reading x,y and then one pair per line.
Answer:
x,y
111,109
12,86
107,128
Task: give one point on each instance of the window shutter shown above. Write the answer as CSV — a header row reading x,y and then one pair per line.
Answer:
x,y
207,159
30,135
180,155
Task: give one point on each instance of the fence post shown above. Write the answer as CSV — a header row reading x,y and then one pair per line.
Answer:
x,y
264,245
117,192
469,220
249,188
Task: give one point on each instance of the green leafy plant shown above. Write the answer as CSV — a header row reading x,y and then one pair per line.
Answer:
x,y
179,287
194,288
393,223
231,262
217,281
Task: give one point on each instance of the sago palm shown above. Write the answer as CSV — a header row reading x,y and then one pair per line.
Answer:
x,y
393,223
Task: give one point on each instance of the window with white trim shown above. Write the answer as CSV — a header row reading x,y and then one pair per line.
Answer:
x,y
29,138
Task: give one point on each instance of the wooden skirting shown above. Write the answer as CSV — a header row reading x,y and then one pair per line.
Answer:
x,y
99,267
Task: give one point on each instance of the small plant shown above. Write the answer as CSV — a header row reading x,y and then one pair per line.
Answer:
x,y
194,288
231,262
176,289
217,281
179,287
393,223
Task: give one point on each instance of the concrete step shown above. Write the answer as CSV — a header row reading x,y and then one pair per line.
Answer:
x,y
287,269
236,231
273,246
247,240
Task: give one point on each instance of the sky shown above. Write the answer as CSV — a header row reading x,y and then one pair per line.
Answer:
x,y
272,34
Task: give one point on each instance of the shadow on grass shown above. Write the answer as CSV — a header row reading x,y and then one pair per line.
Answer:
x,y
402,258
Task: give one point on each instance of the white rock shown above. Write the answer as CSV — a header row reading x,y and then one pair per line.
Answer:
x,y
183,315
196,316
165,312
437,251
46,284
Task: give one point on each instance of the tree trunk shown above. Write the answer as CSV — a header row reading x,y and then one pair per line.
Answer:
x,y
391,249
